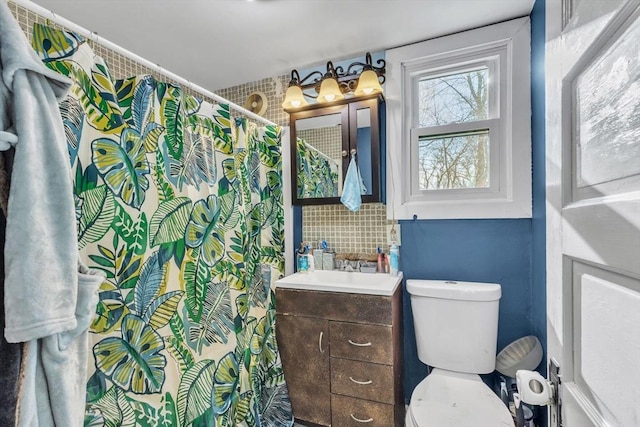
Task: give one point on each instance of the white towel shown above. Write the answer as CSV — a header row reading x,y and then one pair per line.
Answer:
x,y
54,382
48,303
41,249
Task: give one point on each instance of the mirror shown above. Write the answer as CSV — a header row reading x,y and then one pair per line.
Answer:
x,y
319,156
363,145
322,138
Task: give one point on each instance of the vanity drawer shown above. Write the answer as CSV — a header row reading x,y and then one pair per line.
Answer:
x,y
351,412
356,341
362,379
340,306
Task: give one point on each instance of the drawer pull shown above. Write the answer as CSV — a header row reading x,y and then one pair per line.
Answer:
x,y
361,382
368,420
320,343
357,344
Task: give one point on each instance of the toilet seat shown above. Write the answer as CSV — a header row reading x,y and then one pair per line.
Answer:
x,y
447,398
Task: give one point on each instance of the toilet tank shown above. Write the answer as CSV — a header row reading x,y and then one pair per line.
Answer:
x,y
456,324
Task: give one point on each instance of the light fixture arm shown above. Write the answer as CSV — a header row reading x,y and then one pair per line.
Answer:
x,y
347,80
357,68
295,78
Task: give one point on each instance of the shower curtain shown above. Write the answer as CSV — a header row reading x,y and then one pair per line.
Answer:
x,y
317,175
181,207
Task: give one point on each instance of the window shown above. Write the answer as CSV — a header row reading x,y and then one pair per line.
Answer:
x,y
459,138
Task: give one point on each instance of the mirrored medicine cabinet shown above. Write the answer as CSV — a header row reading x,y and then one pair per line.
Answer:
x,y
323,139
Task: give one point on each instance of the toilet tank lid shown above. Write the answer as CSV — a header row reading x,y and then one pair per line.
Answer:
x,y
451,289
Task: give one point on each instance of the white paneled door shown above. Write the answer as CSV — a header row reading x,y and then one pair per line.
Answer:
x,y
593,209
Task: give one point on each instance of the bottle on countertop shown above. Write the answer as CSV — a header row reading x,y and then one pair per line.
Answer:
x,y
328,260
317,254
302,260
394,260
310,261
318,258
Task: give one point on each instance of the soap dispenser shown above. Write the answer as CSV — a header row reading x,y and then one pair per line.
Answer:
x,y
302,260
394,260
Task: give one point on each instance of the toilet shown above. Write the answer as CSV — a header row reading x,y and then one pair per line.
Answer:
x,y
456,328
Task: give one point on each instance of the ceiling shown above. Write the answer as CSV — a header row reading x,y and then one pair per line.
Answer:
x,y
221,43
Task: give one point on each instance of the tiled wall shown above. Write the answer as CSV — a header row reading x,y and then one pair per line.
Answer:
x,y
327,140
274,89
345,231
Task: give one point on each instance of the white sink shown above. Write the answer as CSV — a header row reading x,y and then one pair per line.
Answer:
x,y
342,281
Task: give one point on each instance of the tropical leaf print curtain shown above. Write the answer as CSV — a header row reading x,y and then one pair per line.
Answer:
x,y
181,207
317,174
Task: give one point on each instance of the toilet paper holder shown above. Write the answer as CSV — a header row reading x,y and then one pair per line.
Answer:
x,y
534,389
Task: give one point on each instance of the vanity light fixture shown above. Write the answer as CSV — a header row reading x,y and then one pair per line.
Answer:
x,y
329,89
368,83
359,79
294,98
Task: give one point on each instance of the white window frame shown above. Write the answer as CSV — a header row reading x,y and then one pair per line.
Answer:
x,y
505,50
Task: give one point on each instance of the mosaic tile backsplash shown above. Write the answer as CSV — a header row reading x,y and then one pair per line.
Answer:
x,y
360,232
345,231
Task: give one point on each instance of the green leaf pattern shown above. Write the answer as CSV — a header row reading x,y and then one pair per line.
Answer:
x,y
180,205
317,175
194,392
133,362
98,210
169,221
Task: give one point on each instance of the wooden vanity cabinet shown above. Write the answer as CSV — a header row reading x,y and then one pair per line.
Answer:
x,y
342,356
305,355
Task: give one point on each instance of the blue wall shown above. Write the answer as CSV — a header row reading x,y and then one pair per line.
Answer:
x,y
510,252
497,251
297,233
539,265
364,152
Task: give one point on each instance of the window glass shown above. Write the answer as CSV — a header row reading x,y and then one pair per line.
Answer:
x,y
454,161
454,98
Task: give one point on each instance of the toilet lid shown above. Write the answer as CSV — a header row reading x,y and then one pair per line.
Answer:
x,y
453,399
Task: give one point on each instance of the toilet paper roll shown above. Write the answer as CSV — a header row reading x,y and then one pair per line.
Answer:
x,y
533,388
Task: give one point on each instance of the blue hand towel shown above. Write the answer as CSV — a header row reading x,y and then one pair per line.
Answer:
x,y
352,188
